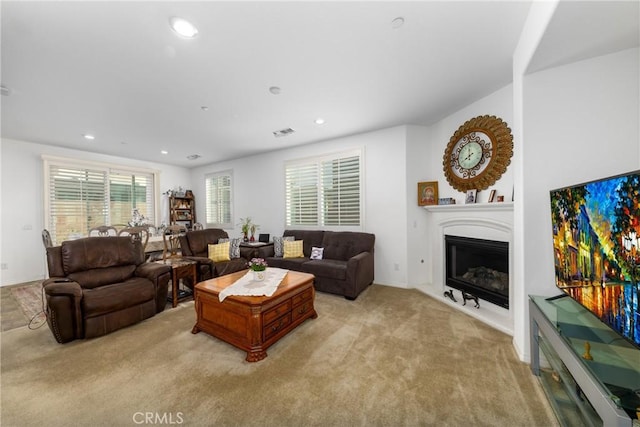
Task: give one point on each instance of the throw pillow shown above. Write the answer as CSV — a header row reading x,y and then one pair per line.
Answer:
x,y
278,247
316,253
234,246
219,252
293,249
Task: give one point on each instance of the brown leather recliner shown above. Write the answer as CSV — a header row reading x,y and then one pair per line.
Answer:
x,y
195,246
97,285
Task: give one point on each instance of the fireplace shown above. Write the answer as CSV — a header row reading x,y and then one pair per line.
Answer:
x,y
478,267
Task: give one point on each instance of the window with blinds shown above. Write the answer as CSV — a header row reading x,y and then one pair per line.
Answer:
x,y
79,197
324,192
218,200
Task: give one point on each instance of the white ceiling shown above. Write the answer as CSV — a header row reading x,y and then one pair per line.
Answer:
x,y
116,70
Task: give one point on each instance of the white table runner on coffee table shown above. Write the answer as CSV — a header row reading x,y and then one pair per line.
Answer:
x,y
246,286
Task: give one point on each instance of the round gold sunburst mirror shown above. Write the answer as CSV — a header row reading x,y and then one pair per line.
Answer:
x,y
478,153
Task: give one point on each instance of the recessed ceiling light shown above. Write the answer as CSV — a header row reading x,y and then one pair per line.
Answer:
x,y
204,108
397,23
274,90
183,27
193,156
319,121
5,91
164,152
89,136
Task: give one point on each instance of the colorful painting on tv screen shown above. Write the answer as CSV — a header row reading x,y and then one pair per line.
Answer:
x,y
596,228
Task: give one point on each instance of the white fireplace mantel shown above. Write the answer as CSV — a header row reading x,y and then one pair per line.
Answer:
x,y
492,221
472,207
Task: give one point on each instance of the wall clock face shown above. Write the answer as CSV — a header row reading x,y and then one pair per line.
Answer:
x,y
478,153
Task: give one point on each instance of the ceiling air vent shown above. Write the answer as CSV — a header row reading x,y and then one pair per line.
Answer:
x,y
194,156
283,132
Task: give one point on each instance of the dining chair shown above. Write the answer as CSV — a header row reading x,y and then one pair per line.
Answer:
x,y
46,239
103,231
171,239
140,234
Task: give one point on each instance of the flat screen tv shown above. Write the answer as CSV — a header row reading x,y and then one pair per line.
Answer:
x,y
596,232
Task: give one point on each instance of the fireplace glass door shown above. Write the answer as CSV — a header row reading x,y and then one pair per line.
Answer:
x,y
478,267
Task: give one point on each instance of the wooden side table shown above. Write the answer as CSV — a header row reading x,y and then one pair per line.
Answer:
x,y
181,268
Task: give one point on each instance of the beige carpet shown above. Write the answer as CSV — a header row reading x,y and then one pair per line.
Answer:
x,y
393,357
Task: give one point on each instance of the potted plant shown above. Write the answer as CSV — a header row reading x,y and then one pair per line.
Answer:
x,y
259,267
245,224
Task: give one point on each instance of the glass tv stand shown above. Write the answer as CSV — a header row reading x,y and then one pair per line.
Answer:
x,y
590,374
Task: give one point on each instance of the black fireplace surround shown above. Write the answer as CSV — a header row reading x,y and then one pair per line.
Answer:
x,y
478,267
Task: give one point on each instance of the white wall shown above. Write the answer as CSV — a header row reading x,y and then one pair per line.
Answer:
x,y
581,124
259,193
23,203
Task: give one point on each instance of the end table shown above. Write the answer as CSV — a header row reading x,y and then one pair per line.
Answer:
x,y
181,268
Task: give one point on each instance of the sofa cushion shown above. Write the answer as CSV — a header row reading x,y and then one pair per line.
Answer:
x,y
196,243
219,252
342,245
97,277
93,252
227,267
293,249
287,263
329,268
117,296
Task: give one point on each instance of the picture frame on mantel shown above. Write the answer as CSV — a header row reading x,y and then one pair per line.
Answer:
x,y
471,196
427,193
492,196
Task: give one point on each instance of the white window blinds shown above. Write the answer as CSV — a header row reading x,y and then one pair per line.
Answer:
x,y
219,200
80,197
325,191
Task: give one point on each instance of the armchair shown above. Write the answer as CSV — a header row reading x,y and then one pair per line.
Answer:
x,y
97,286
195,246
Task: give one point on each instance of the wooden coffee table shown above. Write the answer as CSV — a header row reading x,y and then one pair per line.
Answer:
x,y
251,323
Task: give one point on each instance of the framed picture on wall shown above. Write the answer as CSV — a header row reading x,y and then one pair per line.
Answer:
x,y
427,193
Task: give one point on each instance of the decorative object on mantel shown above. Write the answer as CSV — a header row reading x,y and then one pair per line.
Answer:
x,y
500,198
492,196
427,193
478,153
471,196
447,201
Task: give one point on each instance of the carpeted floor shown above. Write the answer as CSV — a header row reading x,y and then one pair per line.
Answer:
x,y
393,357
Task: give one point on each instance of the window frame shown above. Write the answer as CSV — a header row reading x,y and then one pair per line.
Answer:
x,y
108,168
319,161
222,225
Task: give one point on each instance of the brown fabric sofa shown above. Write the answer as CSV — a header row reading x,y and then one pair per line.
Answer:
x,y
97,285
346,267
195,246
